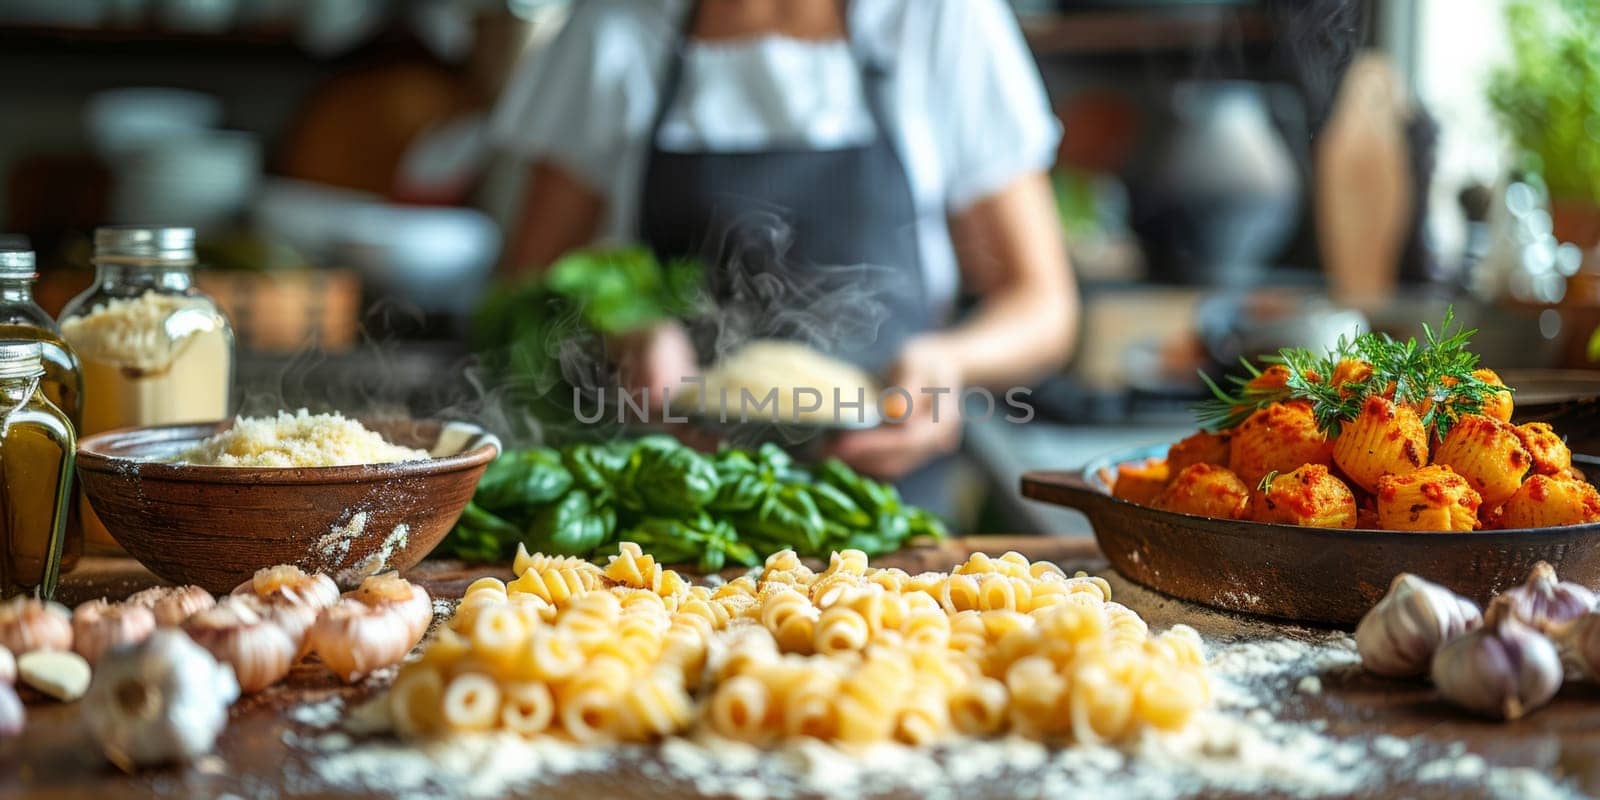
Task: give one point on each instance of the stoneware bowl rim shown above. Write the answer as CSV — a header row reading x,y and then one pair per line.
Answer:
x,y
96,453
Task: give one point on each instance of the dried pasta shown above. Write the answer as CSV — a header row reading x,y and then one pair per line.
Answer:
x,y
852,654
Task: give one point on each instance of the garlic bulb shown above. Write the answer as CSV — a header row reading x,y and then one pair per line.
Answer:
x,y
8,666
1504,669
13,717
98,626
1545,602
162,701
371,627
27,624
172,605
1400,634
1579,642
294,597
241,632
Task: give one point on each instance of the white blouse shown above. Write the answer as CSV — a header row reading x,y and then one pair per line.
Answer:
x,y
963,95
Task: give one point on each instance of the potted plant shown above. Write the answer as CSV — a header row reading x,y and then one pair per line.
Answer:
x,y
1548,99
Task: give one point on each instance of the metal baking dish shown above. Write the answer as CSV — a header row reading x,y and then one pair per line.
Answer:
x,y
1315,575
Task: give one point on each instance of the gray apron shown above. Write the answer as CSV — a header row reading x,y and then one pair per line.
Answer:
x,y
798,243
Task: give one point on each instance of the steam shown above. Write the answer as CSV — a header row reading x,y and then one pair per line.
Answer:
x,y
751,292
756,293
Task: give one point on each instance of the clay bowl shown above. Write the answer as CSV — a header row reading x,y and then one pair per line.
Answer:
x,y
215,526
1329,577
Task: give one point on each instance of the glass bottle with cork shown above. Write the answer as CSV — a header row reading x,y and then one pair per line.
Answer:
x,y
152,349
22,319
37,446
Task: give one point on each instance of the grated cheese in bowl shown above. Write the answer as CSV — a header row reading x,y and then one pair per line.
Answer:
x,y
301,439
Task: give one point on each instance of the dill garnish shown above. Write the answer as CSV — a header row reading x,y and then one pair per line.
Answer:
x,y
1265,486
1434,376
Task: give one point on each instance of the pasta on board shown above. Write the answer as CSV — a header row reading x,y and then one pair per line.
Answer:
x,y
850,654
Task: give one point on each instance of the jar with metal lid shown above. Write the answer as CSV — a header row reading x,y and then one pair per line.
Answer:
x,y
22,319
152,349
37,446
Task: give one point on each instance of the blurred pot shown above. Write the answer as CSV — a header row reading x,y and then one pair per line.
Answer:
x,y
119,121
202,179
1224,193
435,258
1236,325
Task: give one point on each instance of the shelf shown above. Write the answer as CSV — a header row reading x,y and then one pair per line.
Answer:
x,y
276,41
1187,27
274,37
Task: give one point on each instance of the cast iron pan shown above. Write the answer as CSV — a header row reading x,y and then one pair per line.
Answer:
x,y
1313,575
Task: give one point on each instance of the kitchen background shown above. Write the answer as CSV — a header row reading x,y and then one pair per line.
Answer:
x,y
1234,177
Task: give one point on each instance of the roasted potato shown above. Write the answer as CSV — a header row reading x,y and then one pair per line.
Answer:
x,y
1544,501
1499,405
1432,498
1199,448
1281,437
1384,439
1488,453
1271,379
1350,370
1550,453
1309,496
1140,483
1205,490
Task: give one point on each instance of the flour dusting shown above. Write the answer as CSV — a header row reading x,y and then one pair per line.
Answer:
x,y
334,546
1263,736
378,560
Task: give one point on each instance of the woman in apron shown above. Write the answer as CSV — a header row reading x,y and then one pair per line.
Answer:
x,y
826,161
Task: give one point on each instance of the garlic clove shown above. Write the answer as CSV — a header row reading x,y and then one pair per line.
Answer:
x,y
61,674
8,666
409,600
172,605
162,701
372,627
291,583
242,632
1399,636
1544,601
13,717
27,624
98,626
1578,641
294,597
1504,669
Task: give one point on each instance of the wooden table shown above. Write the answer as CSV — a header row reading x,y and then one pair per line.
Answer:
x,y
55,758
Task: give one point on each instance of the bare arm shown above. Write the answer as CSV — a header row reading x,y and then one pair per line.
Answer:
x,y
1012,255
558,214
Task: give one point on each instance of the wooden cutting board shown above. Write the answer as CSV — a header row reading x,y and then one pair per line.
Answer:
x,y
1363,193
255,756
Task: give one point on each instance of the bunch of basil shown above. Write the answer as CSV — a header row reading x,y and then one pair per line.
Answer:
x,y
680,505
536,336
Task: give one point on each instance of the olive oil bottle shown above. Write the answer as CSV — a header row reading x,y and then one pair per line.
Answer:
x,y
22,319
37,448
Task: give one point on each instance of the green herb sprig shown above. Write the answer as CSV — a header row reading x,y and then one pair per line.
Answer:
x,y
1434,374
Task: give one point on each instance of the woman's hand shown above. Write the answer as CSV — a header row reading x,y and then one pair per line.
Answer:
x,y
931,426
656,360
